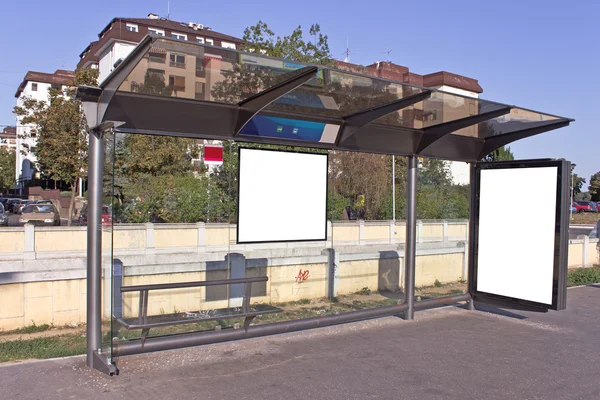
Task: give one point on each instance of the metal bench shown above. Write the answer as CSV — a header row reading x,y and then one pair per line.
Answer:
x,y
145,322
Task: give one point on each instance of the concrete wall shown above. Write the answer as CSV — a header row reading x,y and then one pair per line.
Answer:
x,y
58,297
42,270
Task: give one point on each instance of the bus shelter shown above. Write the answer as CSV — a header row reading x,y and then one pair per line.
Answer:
x,y
252,98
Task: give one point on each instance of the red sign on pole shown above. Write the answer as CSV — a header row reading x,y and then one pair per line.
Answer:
x,y
213,154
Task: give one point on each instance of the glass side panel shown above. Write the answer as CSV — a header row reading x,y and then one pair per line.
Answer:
x,y
107,245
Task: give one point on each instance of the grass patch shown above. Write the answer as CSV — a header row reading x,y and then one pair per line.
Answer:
x,y
584,276
33,328
48,347
585,218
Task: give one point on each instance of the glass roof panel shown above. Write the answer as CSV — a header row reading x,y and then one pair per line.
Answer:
x,y
517,120
181,69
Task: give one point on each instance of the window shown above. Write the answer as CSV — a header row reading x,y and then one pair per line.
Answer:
x,y
199,67
158,32
210,41
34,87
177,82
177,60
228,45
157,58
131,27
200,90
199,40
179,36
156,73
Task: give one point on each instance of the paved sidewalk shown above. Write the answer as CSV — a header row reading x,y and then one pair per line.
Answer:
x,y
447,353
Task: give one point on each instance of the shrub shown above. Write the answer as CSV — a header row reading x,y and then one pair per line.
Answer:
x,y
584,276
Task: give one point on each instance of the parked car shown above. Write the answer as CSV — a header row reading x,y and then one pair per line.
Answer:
x,y
23,203
40,214
3,216
594,206
583,206
44,202
10,205
106,215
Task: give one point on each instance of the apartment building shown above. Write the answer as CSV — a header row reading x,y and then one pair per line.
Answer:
x,y
121,35
35,85
8,138
184,71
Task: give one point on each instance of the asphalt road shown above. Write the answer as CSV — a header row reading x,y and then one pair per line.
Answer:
x,y
447,353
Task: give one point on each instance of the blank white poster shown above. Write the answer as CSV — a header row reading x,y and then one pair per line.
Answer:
x,y
517,233
282,196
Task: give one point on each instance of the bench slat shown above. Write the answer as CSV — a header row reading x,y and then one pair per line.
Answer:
x,y
155,321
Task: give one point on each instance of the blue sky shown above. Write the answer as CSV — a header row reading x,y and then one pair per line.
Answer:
x,y
543,55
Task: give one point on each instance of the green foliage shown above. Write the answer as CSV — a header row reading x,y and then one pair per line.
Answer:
x,y
156,155
583,196
7,169
48,347
61,129
437,196
500,154
336,204
153,84
584,276
260,39
437,283
594,188
173,199
364,291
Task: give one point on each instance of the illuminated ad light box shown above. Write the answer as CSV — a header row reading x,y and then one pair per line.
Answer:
x,y
282,196
291,129
519,253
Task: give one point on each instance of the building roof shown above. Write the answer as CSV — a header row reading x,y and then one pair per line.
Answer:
x,y
59,77
182,27
8,132
116,30
442,78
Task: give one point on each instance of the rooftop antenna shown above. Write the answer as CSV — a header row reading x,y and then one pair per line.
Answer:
x,y
62,63
388,55
347,52
168,10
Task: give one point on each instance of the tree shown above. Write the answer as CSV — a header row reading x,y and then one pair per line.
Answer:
x,y
594,188
577,181
61,130
260,39
156,155
7,169
500,154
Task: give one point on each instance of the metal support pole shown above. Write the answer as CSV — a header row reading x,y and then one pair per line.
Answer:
x,y
410,249
394,189
94,246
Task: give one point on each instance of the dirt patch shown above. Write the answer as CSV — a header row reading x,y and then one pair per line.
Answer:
x,y
585,218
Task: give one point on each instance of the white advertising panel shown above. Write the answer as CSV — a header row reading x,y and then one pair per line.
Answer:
x,y
517,233
282,196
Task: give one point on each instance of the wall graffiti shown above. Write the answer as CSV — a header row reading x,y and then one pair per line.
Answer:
x,y
302,275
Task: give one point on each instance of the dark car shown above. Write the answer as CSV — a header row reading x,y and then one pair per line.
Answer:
x,y
3,216
10,204
106,216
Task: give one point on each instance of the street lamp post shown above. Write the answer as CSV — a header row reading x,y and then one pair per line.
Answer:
x,y
572,189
